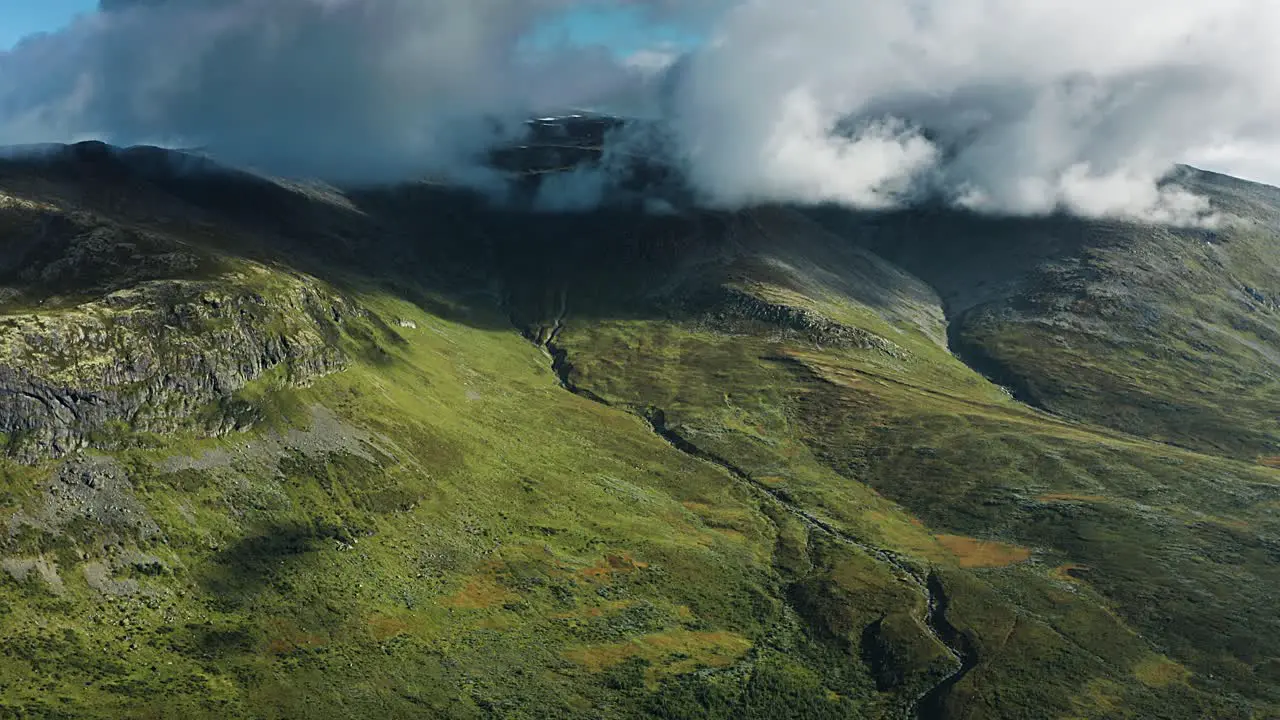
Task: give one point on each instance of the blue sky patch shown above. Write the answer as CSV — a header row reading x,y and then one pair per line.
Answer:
x,y
623,30
20,18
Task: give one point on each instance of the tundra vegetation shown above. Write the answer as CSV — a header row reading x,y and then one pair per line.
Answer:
x,y
277,450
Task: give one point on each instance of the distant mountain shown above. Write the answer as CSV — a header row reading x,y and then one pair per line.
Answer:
x,y
279,449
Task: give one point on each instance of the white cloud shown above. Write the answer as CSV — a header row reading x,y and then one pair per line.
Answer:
x,y
1000,105
1029,106
653,60
794,152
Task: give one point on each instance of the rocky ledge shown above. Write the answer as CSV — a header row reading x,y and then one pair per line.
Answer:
x,y
736,310
157,356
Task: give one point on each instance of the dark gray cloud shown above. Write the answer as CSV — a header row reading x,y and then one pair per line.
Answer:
x,y
342,88
1002,105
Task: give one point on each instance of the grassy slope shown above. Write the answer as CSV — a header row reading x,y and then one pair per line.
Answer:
x,y
452,534
1172,334
457,535
1137,550
501,540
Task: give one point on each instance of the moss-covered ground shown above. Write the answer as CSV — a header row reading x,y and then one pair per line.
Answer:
x,y
720,467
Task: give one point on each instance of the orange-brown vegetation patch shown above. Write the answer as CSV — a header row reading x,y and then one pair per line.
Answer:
x,y
1159,671
975,553
682,651
622,564
385,627
1271,461
286,637
480,592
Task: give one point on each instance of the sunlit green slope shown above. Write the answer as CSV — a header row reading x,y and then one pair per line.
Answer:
x,y
282,452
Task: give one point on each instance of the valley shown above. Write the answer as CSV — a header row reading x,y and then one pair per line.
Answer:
x,y
285,450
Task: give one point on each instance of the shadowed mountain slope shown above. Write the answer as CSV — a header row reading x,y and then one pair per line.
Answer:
x,y
1167,333
279,450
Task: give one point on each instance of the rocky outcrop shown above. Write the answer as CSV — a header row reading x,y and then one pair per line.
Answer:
x,y
156,356
125,309
736,309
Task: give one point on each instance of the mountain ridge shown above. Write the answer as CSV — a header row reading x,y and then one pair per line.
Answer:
x,y
369,489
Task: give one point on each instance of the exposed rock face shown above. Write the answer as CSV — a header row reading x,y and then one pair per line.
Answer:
x,y
739,307
121,310
150,357
20,569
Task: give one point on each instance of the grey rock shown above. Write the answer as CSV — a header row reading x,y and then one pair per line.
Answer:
x,y
739,307
152,357
21,568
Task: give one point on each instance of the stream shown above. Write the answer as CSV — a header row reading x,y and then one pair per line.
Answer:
x,y
931,704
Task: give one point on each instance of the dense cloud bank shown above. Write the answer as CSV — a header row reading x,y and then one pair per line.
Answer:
x,y
997,105
351,89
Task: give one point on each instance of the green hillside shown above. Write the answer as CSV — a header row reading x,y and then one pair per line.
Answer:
x,y
277,451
